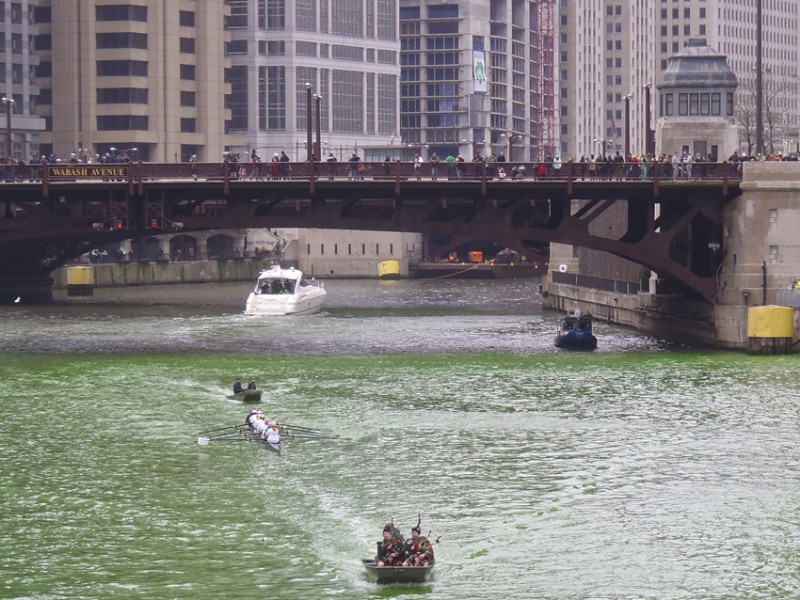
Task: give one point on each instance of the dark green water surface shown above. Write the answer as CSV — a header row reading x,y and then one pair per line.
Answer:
x,y
642,470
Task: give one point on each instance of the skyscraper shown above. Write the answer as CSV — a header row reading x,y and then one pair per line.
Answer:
x,y
18,64
342,55
478,77
145,78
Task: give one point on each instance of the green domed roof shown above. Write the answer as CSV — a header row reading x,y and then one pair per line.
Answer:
x,y
698,65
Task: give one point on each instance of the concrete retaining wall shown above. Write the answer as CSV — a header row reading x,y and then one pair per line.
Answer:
x,y
156,273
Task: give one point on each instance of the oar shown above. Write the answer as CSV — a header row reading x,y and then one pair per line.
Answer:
x,y
307,436
229,427
204,441
299,427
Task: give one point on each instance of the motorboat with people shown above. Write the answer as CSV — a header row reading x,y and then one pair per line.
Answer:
x,y
575,332
285,291
399,559
246,396
386,575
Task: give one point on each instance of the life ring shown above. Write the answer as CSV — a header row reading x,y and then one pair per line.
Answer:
x,y
562,268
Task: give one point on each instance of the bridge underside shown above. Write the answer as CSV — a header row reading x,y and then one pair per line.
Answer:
x,y
673,228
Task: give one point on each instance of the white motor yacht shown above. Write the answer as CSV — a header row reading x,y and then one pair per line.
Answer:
x,y
281,291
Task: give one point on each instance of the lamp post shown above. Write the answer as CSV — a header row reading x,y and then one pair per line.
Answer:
x,y
627,125
649,138
309,147
318,111
474,144
9,102
511,137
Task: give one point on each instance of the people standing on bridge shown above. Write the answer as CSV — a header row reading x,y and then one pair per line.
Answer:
x,y
355,163
255,167
285,166
450,161
434,160
331,160
418,166
459,167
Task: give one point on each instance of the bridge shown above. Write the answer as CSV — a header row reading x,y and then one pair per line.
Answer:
x,y
668,222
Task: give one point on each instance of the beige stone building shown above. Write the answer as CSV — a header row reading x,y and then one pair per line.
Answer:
x,y
147,79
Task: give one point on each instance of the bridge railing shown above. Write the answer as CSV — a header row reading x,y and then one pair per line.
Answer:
x,y
627,288
390,170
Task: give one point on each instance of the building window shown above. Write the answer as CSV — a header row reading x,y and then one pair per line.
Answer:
x,y
238,18
347,101
188,98
276,98
683,104
773,217
122,123
238,47
186,18
347,18
127,39
773,255
305,15
126,12
237,101
187,45
276,15
188,72
188,125
118,68
122,95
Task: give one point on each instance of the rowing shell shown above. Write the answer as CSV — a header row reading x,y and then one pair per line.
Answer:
x,y
384,575
274,446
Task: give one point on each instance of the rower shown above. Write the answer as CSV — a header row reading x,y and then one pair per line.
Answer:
x,y
273,436
251,418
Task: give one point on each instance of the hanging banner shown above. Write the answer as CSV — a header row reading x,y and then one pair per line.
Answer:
x,y
479,70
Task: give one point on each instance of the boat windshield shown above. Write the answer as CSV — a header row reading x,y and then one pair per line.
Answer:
x,y
277,286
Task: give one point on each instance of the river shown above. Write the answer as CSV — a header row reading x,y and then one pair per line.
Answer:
x,y
640,470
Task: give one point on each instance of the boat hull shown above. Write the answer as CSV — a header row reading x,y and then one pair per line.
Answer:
x,y
575,342
246,396
280,292
387,575
289,305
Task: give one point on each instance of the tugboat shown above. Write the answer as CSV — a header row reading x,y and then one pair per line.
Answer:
x,y
575,332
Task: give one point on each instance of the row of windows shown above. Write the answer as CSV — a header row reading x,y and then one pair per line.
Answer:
x,y
125,12
692,104
350,249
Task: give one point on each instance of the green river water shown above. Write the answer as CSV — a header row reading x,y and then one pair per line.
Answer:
x,y
641,470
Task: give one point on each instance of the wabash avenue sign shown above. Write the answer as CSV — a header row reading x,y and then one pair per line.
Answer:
x,y
88,172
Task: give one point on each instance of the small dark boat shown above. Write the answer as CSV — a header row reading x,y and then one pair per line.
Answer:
x,y
384,575
246,396
575,333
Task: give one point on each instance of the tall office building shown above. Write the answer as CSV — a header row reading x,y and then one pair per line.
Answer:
x,y
612,53
146,78
342,55
18,63
478,77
